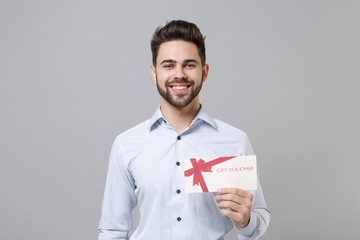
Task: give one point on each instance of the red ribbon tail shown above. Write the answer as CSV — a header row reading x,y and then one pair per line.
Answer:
x,y
202,183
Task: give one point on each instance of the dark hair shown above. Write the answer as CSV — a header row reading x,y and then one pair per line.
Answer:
x,y
178,30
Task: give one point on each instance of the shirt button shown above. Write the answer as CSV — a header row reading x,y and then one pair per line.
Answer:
x,y
178,138
178,163
178,191
179,219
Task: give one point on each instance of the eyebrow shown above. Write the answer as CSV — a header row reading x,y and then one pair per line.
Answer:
x,y
173,61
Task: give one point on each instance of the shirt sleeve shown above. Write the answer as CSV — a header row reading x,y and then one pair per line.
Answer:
x,y
260,214
119,198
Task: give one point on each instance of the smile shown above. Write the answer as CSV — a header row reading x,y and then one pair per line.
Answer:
x,y
179,88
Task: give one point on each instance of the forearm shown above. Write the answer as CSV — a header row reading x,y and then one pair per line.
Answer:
x,y
259,218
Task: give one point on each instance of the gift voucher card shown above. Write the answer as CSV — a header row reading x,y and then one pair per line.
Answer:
x,y
210,174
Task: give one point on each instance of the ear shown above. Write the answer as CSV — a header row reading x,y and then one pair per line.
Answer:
x,y
205,72
153,73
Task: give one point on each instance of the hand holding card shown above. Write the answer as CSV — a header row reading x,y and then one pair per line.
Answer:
x,y
236,204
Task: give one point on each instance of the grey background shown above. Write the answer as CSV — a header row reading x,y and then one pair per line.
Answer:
x,y
74,74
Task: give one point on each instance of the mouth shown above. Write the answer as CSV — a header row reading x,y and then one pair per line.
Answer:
x,y
179,88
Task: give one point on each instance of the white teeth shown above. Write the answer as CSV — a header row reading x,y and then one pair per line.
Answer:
x,y
179,87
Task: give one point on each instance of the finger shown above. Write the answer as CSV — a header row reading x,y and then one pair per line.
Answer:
x,y
247,199
237,191
235,199
231,205
228,197
235,216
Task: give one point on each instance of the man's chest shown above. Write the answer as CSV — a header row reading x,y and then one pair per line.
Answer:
x,y
157,167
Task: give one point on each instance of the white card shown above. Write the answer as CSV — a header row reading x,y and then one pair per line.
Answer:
x,y
210,174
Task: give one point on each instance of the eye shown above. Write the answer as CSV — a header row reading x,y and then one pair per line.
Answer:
x,y
168,66
190,65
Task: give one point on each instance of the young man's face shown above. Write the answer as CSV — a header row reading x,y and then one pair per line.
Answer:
x,y
178,73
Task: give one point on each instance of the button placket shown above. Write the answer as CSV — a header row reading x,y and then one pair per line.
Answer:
x,y
177,192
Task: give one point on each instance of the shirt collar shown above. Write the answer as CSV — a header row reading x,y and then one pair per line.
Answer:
x,y
202,115
155,118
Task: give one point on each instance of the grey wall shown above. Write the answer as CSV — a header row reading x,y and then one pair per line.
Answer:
x,y
74,74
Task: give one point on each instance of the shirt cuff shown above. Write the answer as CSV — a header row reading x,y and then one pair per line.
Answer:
x,y
250,228
118,235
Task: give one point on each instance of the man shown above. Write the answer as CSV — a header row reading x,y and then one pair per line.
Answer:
x,y
146,161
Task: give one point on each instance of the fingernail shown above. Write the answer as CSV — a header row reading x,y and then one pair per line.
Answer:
x,y
220,190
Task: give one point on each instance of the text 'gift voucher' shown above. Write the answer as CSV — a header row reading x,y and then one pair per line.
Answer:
x,y
210,174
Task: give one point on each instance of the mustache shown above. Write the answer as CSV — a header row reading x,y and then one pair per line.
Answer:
x,y
183,80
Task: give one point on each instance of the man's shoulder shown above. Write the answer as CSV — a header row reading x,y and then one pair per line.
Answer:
x,y
227,128
136,131
230,133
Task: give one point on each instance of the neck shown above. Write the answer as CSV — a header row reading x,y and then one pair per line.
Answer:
x,y
180,118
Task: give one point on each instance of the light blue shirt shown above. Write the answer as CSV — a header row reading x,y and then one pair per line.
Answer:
x,y
146,168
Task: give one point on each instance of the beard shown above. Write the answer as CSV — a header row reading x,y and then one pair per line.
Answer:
x,y
177,99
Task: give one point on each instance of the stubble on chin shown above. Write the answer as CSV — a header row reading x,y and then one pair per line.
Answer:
x,y
178,100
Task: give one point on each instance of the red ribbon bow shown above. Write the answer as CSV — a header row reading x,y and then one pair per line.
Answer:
x,y
202,166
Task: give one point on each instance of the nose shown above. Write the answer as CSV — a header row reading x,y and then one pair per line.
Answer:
x,y
180,73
